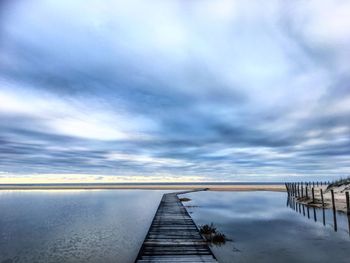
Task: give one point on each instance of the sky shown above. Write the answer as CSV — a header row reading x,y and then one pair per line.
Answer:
x,y
186,90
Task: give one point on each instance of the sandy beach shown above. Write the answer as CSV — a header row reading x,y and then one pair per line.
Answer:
x,y
210,187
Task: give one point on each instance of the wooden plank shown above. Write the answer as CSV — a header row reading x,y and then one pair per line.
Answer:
x,y
173,236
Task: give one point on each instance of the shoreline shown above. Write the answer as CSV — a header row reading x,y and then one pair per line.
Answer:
x,y
315,199
210,187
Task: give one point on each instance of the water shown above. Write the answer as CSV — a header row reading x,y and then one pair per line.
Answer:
x,y
110,225
74,226
322,215
264,229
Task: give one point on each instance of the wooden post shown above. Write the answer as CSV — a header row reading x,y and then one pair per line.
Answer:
x,y
302,186
317,183
307,195
302,191
334,211
348,209
298,189
313,195
290,189
313,184
323,212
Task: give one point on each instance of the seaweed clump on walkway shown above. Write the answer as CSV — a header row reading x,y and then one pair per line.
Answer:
x,y
185,199
212,235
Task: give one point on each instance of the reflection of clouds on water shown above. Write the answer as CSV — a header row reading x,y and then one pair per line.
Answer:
x,y
93,226
322,216
264,229
248,205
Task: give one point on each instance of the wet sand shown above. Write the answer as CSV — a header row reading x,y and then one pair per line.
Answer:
x,y
211,187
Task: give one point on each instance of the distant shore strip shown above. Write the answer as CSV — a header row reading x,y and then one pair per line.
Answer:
x,y
211,187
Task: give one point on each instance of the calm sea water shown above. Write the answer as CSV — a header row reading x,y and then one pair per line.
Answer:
x,y
74,226
264,229
109,226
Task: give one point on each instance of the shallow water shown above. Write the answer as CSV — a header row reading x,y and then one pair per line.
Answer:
x,y
74,226
110,225
264,229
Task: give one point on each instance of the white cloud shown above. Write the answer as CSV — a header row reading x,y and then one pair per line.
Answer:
x,y
146,159
327,21
87,119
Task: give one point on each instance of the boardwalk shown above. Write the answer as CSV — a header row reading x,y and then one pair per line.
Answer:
x,y
173,236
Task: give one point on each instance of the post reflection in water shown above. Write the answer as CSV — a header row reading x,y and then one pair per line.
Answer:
x,y
298,207
315,218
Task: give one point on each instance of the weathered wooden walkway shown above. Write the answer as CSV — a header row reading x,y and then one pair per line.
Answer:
x,y
173,236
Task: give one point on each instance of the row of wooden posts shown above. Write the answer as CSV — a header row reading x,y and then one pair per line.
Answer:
x,y
296,191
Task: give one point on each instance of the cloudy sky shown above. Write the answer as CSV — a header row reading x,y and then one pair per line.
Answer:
x,y
187,90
